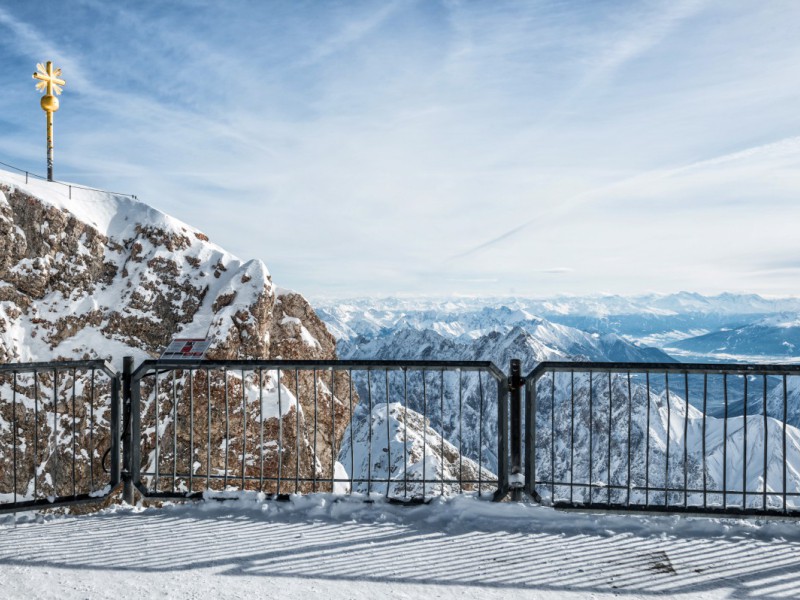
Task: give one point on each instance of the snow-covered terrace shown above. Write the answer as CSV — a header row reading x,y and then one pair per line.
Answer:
x,y
461,548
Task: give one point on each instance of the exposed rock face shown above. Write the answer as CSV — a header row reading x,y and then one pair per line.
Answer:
x,y
102,276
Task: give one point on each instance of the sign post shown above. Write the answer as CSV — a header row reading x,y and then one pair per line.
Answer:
x,y
186,349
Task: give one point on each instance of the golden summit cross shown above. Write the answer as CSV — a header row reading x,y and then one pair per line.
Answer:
x,y
50,82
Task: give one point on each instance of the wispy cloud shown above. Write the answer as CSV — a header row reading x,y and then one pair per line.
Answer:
x,y
356,146
352,32
642,183
641,32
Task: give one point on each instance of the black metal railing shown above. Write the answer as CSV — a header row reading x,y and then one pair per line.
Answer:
x,y
664,437
59,433
626,436
405,430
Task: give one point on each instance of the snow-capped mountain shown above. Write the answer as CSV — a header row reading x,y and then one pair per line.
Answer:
x,y
773,336
542,341
475,399
660,321
470,330
369,315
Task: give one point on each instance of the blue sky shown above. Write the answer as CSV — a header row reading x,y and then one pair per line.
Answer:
x,y
365,148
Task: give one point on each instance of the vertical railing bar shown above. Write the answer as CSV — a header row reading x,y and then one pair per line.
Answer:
x,y
261,428
227,428
766,434
244,431
352,448
424,433
91,432
608,457
460,432
35,432
333,430
785,461
388,436
571,434
744,448
686,441
74,433
280,436
530,438
297,430
480,434
630,418
208,430
591,441
705,462
157,435
15,433
441,416
314,465
405,433
191,430
369,433
669,430
647,444
55,432
725,441
174,431
553,440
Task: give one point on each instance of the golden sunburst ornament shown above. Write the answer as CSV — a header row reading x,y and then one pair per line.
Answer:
x,y
50,83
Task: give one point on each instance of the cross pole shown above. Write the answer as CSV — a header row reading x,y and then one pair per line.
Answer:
x,y
50,83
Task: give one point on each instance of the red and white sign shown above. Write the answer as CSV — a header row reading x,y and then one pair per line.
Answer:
x,y
186,349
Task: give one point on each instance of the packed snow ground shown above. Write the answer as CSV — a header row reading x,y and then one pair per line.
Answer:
x,y
321,547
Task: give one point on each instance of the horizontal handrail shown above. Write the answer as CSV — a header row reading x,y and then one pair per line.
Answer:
x,y
60,365
336,365
623,367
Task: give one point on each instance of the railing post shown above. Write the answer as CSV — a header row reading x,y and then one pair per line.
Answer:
x,y
115,430
530,439
502,439
515,383
127,446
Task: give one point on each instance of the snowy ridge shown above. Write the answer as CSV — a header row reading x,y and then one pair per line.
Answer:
x,y
397,451
159,265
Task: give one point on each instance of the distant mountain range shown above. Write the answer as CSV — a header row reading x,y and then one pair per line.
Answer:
x,y
688,326
775,335
668,441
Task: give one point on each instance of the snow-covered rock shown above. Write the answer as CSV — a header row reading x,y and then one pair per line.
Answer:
x,y
396,453
104,276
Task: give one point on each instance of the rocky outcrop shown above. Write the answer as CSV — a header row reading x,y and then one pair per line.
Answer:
x,y
101,276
